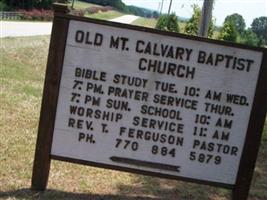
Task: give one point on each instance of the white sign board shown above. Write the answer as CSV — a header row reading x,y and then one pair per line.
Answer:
x,y
154,103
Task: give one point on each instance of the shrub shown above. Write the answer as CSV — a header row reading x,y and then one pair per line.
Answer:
x,y
3,6
168,23
36,14
228,32
79,12
248,37
90,10
259,27
162,22
192,25
95,9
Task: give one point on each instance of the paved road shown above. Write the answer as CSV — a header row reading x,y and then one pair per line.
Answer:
x,y
14,29
126,19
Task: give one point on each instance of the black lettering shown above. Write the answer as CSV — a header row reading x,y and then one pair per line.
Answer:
x,y
79,36
114,42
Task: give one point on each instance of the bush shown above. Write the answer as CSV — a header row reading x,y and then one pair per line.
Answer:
x,y
168,23
120,6
79,12
91,10
192,25
3,6
95,9
259,27
238,21
36,14
248,37
228,32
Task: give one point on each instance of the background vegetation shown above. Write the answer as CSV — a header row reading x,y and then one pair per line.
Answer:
x,y
168,23
233,29
25,4
119,5
191,27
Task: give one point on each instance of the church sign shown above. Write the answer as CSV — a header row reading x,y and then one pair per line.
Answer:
x,y
150,102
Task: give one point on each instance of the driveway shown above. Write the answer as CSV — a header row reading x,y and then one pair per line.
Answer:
x,y
125,19
15,29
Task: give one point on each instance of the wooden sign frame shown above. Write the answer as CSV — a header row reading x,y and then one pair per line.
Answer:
x,y
51,91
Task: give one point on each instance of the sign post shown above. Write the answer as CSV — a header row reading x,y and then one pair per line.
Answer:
x,y
42,158
253,139
151,102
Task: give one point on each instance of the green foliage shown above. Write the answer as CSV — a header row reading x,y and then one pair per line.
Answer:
x,y
119,5
248,37
162,22
155,14
234,30
142,12
3,6
168,23
23,4
36,14
228,32
192,25
45,3
172,23
29,4
259,27
211,28
238,21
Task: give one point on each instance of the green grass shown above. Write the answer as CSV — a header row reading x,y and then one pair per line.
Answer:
x,y
151,23
145,22
22,71
105,15
100,15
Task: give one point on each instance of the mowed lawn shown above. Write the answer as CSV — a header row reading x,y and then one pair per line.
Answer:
x,y
145,22
22,72
99,15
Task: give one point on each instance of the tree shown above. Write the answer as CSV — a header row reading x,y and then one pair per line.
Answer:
x,y
3,6
191,27
248,37
118,4
238,21
168,23
24,4
29,4
155,14
259,27
228,32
